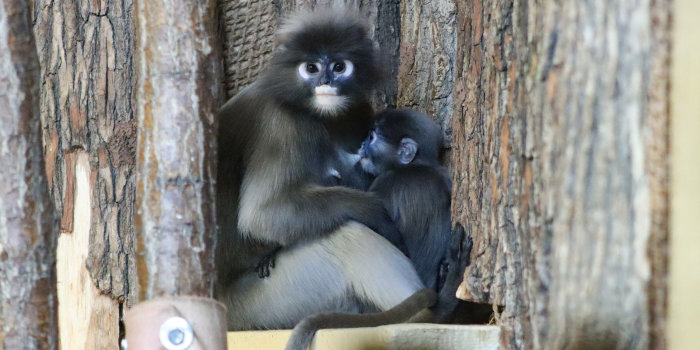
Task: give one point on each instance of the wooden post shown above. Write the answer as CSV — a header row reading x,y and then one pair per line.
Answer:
x,y
89,130
684,307
561,171
28,225
179,92
87,76
426,60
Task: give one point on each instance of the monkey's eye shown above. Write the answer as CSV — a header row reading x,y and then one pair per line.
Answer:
x,y
339,67
343,68
306,69
311,68
372,136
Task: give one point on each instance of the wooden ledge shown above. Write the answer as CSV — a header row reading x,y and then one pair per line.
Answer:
x,y
402,336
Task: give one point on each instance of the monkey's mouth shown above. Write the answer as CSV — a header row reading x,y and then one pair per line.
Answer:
x,y
328,101
325,90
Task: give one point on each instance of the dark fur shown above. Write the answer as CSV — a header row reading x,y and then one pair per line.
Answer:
x,y
417,194
270,127
275,151
440,310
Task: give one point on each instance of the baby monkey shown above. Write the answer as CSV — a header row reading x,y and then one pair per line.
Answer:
x,y
402,151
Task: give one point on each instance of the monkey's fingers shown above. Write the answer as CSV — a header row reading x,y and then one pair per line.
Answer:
x,y
259,270
263,268
266,263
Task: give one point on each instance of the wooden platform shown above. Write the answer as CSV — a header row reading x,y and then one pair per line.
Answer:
x,y
404,336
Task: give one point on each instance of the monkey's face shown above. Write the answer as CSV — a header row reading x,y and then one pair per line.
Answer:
x,y
387,147
377,154
327,78
324,65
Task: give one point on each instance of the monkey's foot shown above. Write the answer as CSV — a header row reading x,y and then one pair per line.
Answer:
x,y
266,263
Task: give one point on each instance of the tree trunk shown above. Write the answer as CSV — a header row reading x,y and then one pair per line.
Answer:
x,y
86,55
179,92
28,226
560,178
427,58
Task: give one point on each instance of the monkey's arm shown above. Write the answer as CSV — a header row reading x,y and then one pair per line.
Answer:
x,y
309,211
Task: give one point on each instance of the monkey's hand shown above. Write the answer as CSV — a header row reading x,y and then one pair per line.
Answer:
x,y
456,260
266,263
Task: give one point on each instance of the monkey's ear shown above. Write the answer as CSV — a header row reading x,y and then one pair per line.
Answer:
x,y
407,150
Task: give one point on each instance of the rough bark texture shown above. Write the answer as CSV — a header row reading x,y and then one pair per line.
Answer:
x,y
179,92
560,132
28,226
426,60
85,50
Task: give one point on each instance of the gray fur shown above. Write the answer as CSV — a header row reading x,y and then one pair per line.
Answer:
x,y
275,152
417,196
351,270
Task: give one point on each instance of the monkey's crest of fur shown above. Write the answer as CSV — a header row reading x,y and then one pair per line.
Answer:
x,y
323,20
328,34
334,30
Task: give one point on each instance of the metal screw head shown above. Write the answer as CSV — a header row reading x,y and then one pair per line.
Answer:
x,y
176,334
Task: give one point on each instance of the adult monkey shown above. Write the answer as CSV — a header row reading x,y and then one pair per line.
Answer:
x,y
278,141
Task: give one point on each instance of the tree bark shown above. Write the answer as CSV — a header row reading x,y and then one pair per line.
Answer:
x,y
28,226
86,55
179,93
426,63
560,137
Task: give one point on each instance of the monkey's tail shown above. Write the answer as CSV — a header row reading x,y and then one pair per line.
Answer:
x,y
305,330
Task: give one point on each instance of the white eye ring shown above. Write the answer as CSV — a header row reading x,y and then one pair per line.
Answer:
x,y
304,72
349,68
